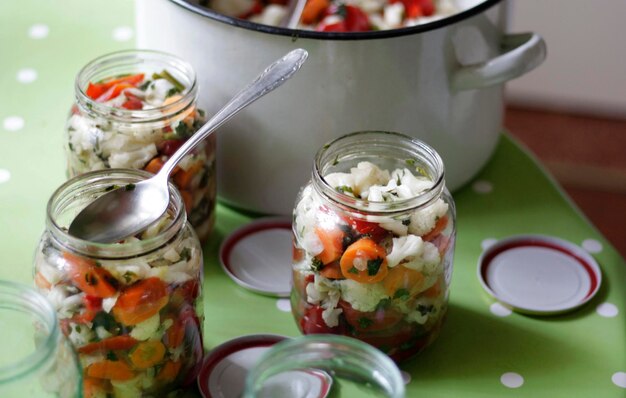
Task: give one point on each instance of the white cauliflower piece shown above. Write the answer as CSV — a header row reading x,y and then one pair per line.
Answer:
x,y
405,247
367,174
362,296
109,302
80,334
340,180
424,220
50,272
273,14
129,273
175,273
157,91
136,159
427,261
325,293
393,14
102,333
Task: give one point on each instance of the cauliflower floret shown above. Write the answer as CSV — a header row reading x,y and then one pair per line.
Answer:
x,y
393,14
424,220
427,261
405,247
157,91
336,180
363,297
80,334
129,273
273,14
325,293
367,174
136,159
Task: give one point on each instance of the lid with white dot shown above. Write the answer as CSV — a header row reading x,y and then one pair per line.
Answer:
x,y
258,256
538,274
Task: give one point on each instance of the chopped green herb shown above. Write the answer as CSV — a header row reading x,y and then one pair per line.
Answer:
x,y
91,279
373,266
69,145
185,254
401,294
336,161
183,131
317,264
167,76
144,86
353,270
364,323
383,304
129,187
110,188
172,91
425,309
111,356
129,276
406,222
410,162
344,189
201,112
77,328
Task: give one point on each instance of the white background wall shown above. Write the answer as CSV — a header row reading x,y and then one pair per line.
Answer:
x,y
585,70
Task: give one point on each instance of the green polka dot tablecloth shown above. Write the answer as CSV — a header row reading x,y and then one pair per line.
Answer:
x,y
484,349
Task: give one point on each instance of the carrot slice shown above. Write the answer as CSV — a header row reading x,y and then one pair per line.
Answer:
x,y
140,301
332,241
183,178
440,225
364,261
313,10
147,354
111,370
89,277
109,344
169,371
154,165
94,388
332,271
113,92
401,279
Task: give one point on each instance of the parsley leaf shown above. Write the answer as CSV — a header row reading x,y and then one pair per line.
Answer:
x,y
373,266
316,264
364,323
401,294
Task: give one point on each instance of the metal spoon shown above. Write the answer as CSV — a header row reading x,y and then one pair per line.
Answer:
x,y
124,212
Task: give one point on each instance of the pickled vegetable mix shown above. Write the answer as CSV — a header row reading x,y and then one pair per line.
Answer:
x,y
378,278
138,120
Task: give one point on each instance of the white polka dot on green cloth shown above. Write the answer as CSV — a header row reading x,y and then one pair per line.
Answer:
x,y
38,31
607,310
283,304
482,186
26,75
619,379
5,175
512,380
123,33
13,123
487,243
592,246
500,310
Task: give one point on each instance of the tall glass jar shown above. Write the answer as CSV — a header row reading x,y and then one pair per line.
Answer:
x,y
374,235
37,360
132,309
134,109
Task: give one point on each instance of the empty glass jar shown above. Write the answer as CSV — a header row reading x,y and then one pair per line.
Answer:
x,y
374,235
37,360
132,309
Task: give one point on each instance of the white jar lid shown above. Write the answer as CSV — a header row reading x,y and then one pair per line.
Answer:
x,y
225,368
538,274
258,256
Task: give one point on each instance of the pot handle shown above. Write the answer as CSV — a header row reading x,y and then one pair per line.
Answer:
x,y
523,53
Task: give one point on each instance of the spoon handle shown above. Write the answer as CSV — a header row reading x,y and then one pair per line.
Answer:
x,y
272,77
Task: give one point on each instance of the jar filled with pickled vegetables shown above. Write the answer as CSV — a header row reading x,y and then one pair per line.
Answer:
x,y
132,309
134,109
374,234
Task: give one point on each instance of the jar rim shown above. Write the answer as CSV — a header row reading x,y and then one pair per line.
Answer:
x,y
129,58
332,352
375,137
96,179
23,298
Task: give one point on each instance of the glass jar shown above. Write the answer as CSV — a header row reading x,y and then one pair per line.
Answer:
x,y
133,309
374,234
37,360
356,369
134,109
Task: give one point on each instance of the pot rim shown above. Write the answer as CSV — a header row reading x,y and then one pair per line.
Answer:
x,y
307,34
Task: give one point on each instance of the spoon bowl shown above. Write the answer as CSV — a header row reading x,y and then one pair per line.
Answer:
x,y
128,210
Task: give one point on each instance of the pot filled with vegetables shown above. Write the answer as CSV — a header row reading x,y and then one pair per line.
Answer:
x,y
433,69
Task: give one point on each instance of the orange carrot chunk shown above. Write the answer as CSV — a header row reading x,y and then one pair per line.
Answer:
x,y
109,344
147,354
332,242
440,225
111,370
332,271
401,279
89,277
169,371
364,261
140,301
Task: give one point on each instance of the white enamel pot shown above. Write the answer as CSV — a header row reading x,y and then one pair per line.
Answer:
x,y
441,82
